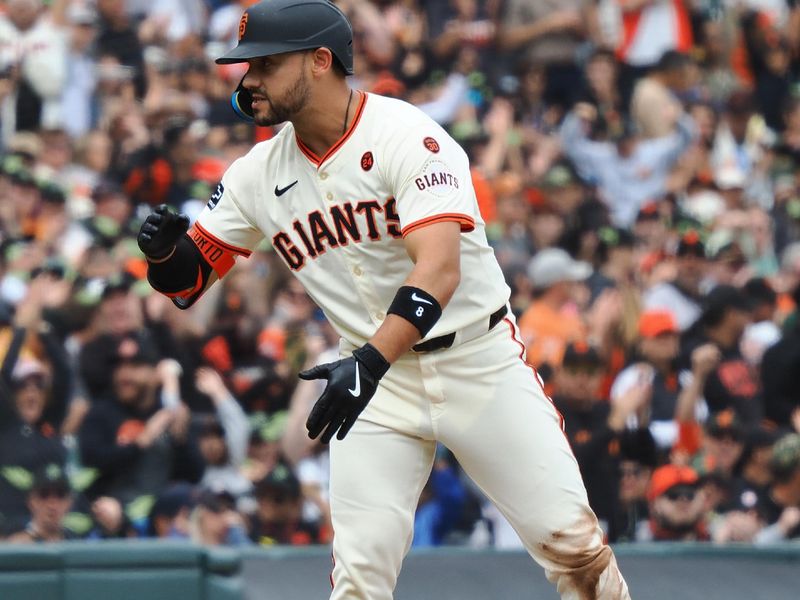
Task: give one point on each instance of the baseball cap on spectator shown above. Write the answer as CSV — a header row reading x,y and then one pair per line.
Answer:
x,y
581,354
760,292
51,478
81,13
722,298
615,237
729,177
704,206
762,436
553,265
216,500
134,349
612,237
26,145
648,212
559,175
655,322
725,423
669,476
785,458
690,244
279,484
52,192
117,284
723,247
638,445
269,428
106,189
22,177
26,368
171,501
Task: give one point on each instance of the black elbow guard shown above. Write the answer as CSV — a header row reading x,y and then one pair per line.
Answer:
x,y
183,276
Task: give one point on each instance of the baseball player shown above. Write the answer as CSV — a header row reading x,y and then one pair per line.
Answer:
x,y
369,202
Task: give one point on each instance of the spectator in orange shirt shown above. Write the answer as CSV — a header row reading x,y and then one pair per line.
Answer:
x,y
553,318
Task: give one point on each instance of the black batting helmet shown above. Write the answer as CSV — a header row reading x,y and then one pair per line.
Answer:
x,y
277,26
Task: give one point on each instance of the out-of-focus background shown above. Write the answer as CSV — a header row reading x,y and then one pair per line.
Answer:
x,y
637,164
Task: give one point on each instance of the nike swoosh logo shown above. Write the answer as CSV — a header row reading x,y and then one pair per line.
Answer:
x,y
356,391
282,191
416,298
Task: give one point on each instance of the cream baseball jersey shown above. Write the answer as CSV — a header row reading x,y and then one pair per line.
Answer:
x,y
337,221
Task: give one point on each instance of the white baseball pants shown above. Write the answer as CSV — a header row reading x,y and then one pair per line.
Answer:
x,y
487,406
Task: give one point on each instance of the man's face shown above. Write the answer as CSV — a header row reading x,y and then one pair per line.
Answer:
x,y
690,271
580,383
725,448
121,312
279,86
660,348
214,524
23,13
787,491
132,382
680,507
279,507
48,507
213,449
30,397
633,481
601,72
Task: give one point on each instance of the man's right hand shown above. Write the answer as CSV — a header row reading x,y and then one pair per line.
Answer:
x,y
160,232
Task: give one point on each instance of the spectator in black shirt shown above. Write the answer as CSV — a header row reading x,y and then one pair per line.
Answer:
x,y
637,459
118,38
27,442
278,518
134,442
733,384
591,425
50,499
780,376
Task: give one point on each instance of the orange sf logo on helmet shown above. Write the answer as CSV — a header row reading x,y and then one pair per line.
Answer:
x,y
242,25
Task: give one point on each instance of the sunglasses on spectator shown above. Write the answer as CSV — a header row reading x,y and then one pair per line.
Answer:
x,y
37,381
634,471
680,493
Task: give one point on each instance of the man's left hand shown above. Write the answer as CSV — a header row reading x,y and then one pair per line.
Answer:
x,y
350,387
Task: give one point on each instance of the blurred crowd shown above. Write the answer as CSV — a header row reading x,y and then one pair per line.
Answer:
x,y
637,164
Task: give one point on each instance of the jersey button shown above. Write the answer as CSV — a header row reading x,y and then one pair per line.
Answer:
x,y
329,196
323,176
357,271
380,316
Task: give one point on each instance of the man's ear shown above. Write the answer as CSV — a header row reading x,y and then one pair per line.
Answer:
x,y
322,61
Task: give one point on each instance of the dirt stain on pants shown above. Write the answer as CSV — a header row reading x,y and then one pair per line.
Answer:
x,y
581,566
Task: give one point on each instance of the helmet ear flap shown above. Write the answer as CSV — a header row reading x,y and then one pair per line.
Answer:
x,y
242,103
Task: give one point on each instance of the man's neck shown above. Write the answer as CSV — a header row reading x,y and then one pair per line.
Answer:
x,y
324,122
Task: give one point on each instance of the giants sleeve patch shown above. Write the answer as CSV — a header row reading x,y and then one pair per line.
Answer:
x,y
437,179
431,144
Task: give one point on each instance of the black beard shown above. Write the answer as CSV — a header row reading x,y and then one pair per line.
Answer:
x,y
292,103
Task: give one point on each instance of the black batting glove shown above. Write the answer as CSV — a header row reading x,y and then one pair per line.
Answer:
x,y
160,232
352,382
